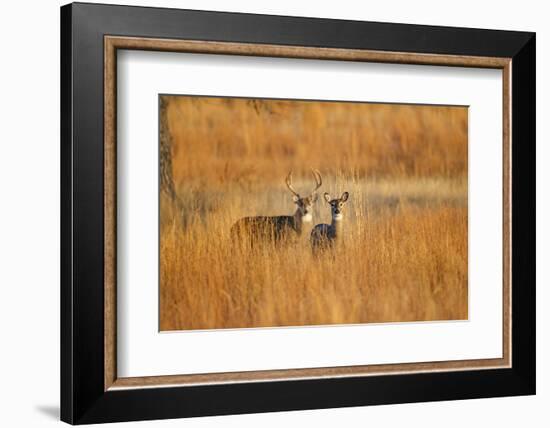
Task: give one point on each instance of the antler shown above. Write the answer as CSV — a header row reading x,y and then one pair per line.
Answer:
x,y
318,180
288,182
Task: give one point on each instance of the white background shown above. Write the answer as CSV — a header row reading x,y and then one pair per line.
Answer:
x,y
29,214
142,351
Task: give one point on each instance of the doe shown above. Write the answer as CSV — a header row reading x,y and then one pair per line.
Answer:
x,y
324,235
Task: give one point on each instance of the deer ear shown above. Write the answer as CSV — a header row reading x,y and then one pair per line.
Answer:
x,y
327,197
295,198
345,196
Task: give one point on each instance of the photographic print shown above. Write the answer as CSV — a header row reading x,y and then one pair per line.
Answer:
x,y
283,212
326,202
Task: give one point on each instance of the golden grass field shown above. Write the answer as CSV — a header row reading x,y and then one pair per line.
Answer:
x,y
404,252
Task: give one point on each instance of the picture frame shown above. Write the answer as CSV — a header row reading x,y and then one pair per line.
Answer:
x,y
91,390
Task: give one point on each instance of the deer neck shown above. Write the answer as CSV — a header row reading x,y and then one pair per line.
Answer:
x,y
301,221
336,226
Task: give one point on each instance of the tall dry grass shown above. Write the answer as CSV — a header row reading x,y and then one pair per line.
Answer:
x,y
254,141
403,254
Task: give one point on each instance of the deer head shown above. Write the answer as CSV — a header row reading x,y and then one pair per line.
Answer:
x,y
336,205
305,204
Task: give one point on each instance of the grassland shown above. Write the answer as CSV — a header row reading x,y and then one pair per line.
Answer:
x,y
403,255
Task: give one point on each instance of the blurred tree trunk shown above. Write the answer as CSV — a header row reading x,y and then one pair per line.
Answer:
x,y
165,161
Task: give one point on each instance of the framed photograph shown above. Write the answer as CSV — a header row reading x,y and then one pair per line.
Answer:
x,y
265,213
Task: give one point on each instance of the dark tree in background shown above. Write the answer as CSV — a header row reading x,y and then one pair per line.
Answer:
x,y
166,172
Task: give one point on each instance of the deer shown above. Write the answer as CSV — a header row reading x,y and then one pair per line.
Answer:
x,y
325,235
284,227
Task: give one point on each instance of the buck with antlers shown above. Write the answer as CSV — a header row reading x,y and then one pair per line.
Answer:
x,y
281,228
